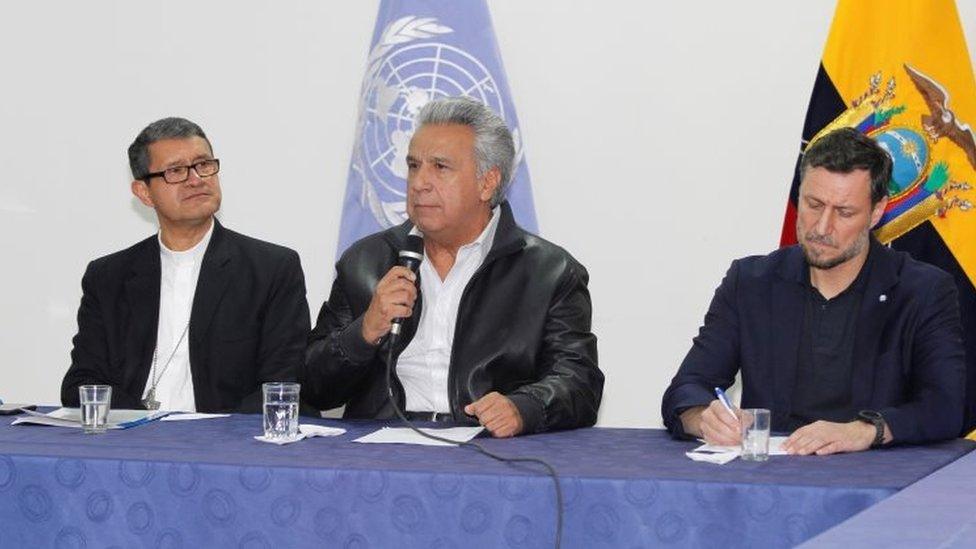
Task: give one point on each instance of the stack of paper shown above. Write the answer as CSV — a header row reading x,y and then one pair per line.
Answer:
x,y
71,417
723,454
191,416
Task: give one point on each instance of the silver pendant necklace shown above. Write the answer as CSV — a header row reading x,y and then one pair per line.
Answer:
x,y
150,401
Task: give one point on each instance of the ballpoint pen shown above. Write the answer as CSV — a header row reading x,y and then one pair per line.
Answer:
x,y
142,420
724,399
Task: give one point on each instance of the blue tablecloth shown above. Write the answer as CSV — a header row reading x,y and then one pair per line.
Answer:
x,y
210,484
937,511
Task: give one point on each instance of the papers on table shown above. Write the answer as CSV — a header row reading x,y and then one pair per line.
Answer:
x,y
404,435
718,458
71,417
304,431
723,454
189,416
775,447
10,408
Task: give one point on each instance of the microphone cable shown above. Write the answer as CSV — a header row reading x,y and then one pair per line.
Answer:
x,y
470,444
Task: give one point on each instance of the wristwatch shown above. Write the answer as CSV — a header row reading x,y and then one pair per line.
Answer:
x,y
874,418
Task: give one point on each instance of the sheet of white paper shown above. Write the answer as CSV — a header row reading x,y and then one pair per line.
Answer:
x,y
720,458
45,420
775,447
189,416
716,449
71,417
320,430
724,454
404,435
304,431
114,416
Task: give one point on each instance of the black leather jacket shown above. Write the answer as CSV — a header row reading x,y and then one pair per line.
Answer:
x,y
523,329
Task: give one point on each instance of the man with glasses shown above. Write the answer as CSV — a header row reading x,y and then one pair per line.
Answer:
x,y
196,317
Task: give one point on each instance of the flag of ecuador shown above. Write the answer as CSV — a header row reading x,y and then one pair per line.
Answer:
x,y
900,73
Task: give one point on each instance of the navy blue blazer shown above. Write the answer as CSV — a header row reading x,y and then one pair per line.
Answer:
x,y
908,364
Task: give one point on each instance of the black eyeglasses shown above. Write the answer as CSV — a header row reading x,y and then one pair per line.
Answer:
x,y
179,174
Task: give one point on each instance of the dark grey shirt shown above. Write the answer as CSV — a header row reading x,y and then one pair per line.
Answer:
x,y
825,362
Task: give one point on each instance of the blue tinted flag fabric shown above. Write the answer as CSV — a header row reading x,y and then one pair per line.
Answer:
x,y
421,50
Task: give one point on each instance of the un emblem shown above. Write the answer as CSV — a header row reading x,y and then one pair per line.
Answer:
x,y
405,72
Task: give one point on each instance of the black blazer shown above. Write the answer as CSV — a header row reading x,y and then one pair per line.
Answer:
x,y
908,353
523,329
248,323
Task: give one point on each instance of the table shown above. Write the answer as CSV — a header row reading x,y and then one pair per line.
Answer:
x,y
209,483
937,511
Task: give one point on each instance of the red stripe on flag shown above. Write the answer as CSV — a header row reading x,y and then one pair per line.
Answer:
x,y
788,236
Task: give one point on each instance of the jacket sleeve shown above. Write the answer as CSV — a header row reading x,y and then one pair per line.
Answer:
x,y
937,379
337,358
712,360
283,331
89,352
568,393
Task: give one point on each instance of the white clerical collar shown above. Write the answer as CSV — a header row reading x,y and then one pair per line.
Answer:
x,y
192,255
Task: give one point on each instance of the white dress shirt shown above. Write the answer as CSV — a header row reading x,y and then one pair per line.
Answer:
x,y
177,286
423,365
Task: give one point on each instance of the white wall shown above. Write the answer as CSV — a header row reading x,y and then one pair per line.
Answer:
x,y
660,136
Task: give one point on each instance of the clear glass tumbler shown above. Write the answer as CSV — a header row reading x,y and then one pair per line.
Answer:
x,y
755,434
95,403
281,410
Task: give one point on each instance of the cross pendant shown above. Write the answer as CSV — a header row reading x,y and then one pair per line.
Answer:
x,y
150,401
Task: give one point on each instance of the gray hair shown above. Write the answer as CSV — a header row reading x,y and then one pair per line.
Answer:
x,y
167,128
493,143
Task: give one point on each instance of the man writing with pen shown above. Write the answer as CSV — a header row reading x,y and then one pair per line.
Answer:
x,y
849,344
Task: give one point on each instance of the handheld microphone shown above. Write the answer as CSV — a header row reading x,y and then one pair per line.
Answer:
x,y
409,257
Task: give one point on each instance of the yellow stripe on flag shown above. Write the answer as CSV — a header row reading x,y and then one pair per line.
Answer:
x,y
869,37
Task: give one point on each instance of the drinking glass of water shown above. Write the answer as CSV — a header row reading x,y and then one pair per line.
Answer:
x,y
755,434
281,410
95,403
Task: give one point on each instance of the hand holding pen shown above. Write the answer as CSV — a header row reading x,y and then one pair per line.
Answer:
x,y
719,421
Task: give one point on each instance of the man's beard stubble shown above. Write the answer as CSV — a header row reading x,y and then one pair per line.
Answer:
x,y
817,263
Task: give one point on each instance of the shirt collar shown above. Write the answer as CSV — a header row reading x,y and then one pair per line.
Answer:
x,y
487,237
193,255
857,285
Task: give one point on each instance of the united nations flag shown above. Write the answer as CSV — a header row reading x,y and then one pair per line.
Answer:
x,y
900,73
421,50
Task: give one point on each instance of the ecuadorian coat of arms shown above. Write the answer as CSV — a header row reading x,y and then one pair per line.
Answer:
x,y
919,131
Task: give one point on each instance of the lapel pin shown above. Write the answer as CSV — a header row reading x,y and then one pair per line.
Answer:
x,y
882,298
